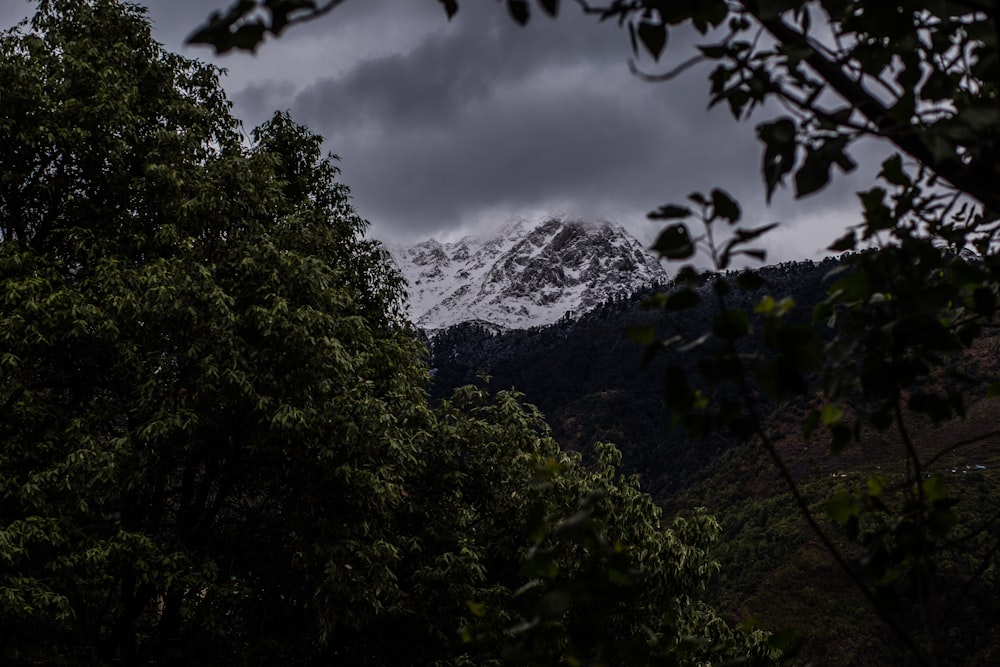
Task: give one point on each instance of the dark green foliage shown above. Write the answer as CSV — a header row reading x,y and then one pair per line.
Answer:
x,y
610,396
899,319
773,569
768,555
201,358
921,75
215,440
601,578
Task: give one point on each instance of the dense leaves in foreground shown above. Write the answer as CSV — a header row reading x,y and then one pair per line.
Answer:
x,y
215,440
923,78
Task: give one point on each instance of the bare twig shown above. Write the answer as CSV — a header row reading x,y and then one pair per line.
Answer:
x,y
962,443
665,76
803,504
321,10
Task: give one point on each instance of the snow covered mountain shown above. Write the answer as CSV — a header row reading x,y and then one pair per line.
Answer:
x,y
526,275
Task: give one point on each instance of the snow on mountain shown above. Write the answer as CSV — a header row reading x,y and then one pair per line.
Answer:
x,y
526,275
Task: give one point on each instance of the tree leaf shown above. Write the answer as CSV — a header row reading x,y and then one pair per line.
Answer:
x,y
669,212
519,11
840,437
681,300
813,175
779,152
744,235
653,35
643,335
450,7
733,323
842,507
248,36
725,206
750,280
675,387
892,171
554,605
551,7
713,51
699,199
878,216
675,242
810,424
845,242
759,255
831,414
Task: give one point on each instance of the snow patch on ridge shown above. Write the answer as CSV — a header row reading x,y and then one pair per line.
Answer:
x,y
525,275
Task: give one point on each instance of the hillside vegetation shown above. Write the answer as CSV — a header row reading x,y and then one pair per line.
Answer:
x,y
216,444
588,378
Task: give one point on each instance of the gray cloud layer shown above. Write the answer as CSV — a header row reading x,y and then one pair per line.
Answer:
x,y
444,127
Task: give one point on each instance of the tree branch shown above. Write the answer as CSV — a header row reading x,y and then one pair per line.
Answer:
x,y
803,505
976,179
668,75
322,10
962,443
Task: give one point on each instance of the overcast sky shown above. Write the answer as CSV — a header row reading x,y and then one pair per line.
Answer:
x,y
448,128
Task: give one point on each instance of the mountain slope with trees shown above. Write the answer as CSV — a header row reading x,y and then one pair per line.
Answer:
x,y
921,76
587,377
215,440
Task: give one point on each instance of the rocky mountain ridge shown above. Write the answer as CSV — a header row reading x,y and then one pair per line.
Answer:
x,y
525,275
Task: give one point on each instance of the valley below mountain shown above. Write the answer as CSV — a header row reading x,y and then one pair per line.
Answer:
x,y
589,379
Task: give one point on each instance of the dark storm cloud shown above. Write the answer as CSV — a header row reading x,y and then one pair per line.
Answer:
x,y
447,125
479,53
538,143
483,117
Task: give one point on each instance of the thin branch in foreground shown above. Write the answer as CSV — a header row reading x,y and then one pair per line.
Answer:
x,y
960,444
316,13
806,512
633,68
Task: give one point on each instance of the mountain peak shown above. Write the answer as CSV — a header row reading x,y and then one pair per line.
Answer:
x,y
525,275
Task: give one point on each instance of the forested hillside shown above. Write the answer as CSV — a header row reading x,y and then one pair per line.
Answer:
x,y
216,444
589,379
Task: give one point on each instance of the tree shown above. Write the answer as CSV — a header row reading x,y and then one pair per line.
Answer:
x,y
215,439
201,359
562,561
920,76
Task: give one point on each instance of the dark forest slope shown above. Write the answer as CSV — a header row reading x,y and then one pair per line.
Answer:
x,y
587,378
